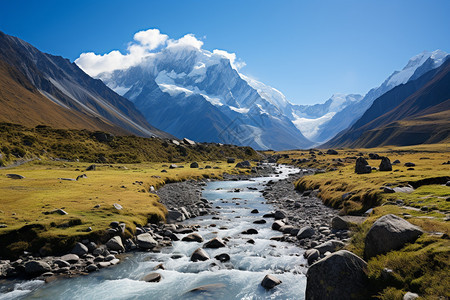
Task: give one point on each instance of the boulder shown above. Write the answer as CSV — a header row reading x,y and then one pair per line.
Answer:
x,y
277,225
152,277
37,267
214,243
199,255
250,231
15,176
194,165
374,156
254,211
193,237
173,166
146,241
332,152
361,166
243,164
270,281
305,232
79,249
410,164
278,215
389,232
340,275
329,246
231,161
91,168
174,215
338,223
115,243
260,221
61,263
385,165
91,268
70,258
311,255
222,257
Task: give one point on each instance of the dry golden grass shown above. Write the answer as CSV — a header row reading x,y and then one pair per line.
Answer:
x,y
25,201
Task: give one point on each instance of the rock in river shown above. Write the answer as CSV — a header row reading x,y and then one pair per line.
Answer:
x,y
270,281
146,241
199,255
214,243
193,237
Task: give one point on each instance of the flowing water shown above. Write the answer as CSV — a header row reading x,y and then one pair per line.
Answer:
x,y
238,278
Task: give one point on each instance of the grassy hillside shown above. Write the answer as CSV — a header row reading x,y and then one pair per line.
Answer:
x,y
421,267
19,142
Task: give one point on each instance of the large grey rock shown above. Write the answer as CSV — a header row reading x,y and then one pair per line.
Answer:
x,y
79,249
214,243
243,164
385,164
115,244
199,255
340,275
146,241
270,281
193,237
389,233
361,166
338,223
329,246
305,232
37,267
174,215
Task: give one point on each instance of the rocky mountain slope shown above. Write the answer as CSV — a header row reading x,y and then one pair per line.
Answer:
x,y
39,88
413,113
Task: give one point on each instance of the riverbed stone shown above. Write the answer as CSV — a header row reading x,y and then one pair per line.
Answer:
x,y
277,225
311,255
214,243
70,258
278,215
115,243
193,237
146,241
341,275
305,232
330,246
152,277
61,263
224,257
91,268
270,281
389,232
37,267
199,255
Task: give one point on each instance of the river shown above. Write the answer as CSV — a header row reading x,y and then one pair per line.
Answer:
x,y
238,278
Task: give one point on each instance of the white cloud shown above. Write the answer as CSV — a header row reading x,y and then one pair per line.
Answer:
x,y
145,43
189,40
151,38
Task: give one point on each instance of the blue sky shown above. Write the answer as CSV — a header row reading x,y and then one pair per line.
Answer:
x,y
306,49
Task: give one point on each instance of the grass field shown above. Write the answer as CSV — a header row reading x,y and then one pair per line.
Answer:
x,y
422,267
29,202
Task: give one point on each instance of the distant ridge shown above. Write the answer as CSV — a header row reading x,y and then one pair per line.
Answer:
x,y
417,112
38,88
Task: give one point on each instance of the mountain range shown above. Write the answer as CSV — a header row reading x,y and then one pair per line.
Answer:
x,y
183,91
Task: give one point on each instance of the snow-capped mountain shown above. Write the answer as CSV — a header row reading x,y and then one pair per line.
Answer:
x,y
416,67
199,94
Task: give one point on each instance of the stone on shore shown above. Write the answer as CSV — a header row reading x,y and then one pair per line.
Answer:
x,y
69,258
340,275
311,255
270,281
305,232
277,225
79,249
338,223
243,164
115,243
329,246
199,255
146,241
37,267
389,232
